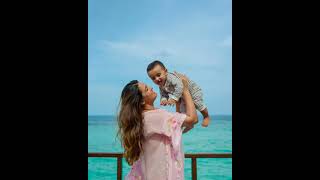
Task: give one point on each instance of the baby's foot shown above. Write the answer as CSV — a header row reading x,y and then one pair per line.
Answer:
x,y
205,122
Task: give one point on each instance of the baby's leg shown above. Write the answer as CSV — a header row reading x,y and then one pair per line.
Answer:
x,y
198,102
206,117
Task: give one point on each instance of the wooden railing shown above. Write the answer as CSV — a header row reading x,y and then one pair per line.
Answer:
x,y
193,157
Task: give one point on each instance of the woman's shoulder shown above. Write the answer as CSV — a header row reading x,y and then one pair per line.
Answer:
x,y
159,114
155,111
156,114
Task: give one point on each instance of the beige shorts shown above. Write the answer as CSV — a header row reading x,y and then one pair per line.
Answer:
x,y
197,100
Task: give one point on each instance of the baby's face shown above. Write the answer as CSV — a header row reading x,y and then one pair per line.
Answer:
x,y
158,75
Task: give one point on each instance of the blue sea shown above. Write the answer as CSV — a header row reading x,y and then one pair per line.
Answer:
x,y
217,138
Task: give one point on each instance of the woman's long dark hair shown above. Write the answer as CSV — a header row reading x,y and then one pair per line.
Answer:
x,y
130,121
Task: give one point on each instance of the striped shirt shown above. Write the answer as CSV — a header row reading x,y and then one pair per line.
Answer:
x,y
173,88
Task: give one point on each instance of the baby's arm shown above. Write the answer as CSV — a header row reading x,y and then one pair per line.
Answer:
x,y
171,101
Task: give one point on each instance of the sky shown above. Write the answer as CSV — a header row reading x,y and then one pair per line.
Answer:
x,y
193,37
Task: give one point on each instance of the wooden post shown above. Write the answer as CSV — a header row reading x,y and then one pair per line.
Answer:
x,y
194,168
119,168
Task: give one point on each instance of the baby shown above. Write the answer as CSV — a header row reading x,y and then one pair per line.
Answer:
x,y
171,87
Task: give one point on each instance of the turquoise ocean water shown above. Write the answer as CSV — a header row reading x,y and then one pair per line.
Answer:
x,y
217,138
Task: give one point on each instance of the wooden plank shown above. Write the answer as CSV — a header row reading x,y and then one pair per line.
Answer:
x,y
188,155
194,168
99,154
208,155
119,168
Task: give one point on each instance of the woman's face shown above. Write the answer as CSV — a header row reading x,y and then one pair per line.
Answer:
x,y
147,92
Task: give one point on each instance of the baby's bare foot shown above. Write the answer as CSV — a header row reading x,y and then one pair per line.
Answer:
x,y
205,122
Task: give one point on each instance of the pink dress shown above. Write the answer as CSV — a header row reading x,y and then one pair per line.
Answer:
x,y
162,157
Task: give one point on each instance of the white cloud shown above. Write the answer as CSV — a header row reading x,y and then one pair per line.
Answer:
x,y
193,40
130,48
190,52
143,48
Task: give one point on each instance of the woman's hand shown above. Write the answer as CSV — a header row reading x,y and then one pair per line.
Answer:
x,y
184,79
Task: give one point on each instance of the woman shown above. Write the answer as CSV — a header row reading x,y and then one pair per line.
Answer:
x,y
151,137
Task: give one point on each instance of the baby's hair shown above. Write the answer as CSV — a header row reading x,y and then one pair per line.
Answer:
x,y
153,64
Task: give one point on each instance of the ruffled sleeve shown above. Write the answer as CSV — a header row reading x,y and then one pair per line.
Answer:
x,y
165,123
174,124
136,172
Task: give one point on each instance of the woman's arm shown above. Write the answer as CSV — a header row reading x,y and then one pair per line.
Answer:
x,y
191,113
186,129
178,106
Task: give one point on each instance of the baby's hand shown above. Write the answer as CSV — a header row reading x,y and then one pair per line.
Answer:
x,y
163,102
171,102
